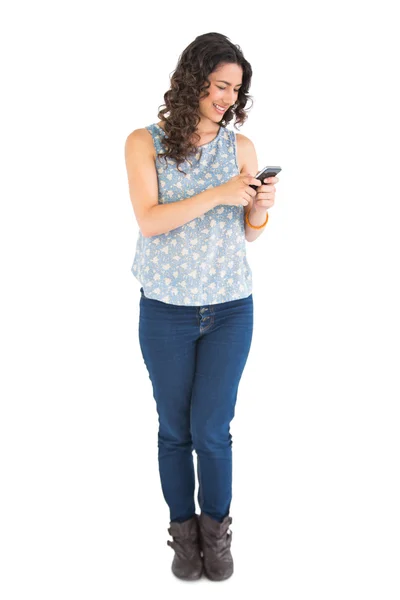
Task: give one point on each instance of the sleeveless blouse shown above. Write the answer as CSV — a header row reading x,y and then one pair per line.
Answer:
x,y
203,261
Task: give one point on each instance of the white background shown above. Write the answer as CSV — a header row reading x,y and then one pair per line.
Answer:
x,y
316,434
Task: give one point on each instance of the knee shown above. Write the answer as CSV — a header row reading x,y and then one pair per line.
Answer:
x,y
175,438
210,440
174,443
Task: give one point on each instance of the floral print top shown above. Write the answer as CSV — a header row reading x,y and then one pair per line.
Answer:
x,y
203,261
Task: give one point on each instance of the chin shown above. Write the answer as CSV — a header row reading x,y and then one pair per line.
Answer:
x,y
215,117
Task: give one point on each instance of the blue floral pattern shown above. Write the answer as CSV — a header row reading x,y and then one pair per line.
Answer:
x,y
203,261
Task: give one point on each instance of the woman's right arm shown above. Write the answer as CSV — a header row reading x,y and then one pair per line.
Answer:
x,y
154,218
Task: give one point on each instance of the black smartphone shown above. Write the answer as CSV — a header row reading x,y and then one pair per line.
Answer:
x,y
265,173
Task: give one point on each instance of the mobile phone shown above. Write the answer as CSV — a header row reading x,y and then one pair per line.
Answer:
x,y
265,173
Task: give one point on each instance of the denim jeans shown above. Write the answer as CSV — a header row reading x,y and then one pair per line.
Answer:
x,y
195,357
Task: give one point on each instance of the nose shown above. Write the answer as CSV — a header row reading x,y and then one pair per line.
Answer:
x,y
230,101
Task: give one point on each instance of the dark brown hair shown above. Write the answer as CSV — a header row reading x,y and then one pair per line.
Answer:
x,y
189,79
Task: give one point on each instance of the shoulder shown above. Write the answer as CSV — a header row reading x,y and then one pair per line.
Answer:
x,y
140,139
138,136
246,153
243,141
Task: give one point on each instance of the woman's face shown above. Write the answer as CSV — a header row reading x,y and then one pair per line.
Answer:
x,y
224,88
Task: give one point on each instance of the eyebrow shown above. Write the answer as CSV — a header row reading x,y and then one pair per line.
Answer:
x,y
227,82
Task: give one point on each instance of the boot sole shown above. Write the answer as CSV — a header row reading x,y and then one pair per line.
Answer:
x,y
212,578
189,578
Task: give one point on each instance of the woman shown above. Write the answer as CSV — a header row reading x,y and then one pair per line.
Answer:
x,y
189,183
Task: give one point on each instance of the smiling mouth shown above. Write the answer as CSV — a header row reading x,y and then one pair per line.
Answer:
x,y
220,108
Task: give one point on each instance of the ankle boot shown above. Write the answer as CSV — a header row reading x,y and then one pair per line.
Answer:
x,y
215,542
187,563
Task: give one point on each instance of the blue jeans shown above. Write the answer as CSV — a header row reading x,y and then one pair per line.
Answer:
x,y
195,357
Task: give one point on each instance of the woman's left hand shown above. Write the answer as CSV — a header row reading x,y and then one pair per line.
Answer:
x,y
265,197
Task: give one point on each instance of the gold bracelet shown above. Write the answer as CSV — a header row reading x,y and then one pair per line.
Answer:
x,y
255,226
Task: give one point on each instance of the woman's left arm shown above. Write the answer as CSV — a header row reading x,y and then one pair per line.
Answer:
x,y
265,198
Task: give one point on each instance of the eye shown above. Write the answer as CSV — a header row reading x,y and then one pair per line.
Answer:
x,y
221,88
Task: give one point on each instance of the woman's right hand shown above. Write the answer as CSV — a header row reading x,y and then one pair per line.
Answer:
x,y
237,191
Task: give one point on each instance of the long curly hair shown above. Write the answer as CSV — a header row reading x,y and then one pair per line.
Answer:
x,y
180,113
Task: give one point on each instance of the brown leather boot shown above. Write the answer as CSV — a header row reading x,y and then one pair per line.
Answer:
x,y
215,541
187,563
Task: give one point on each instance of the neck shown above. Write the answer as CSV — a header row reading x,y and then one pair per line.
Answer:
x,y
207,127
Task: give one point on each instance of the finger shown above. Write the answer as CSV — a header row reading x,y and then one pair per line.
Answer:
x,y
266,188
264,204
265,196
249,193
252,192
253,181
